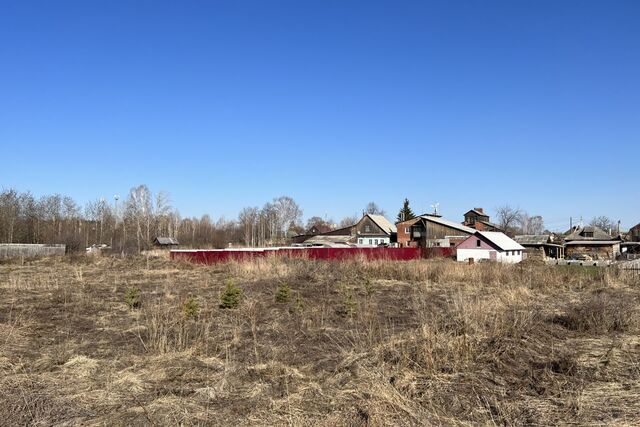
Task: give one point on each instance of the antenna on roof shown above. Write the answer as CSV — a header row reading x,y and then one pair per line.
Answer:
x,y
435,208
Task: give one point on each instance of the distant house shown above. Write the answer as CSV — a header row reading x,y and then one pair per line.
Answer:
x,y
404,231
477,219
314,230
591,241
540,246
371,230
326,240
318,229
374,230
634,233
490,245
430,230
165,242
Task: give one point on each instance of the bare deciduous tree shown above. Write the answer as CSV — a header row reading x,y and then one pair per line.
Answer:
x,y
531,224
348,221
604,223
288,214
373,209
508,218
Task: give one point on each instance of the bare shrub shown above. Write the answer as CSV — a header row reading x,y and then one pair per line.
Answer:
x,y
601,312
167,330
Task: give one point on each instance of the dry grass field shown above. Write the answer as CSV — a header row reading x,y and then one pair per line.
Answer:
x,y
144,341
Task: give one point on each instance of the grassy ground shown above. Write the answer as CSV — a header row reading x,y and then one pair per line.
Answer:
x,y
355,343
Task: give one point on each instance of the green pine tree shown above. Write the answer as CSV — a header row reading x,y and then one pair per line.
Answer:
x,y
405,213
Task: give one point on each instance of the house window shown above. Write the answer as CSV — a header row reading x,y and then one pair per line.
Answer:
x,y
360,241
370,241
375,242
478,243
367,229
407,230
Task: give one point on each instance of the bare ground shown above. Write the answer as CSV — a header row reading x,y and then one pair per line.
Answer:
x,y
357,343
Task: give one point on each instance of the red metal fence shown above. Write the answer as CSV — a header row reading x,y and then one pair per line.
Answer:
x,y
212,256
438,252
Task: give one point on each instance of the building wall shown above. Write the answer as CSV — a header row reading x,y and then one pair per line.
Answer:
x,y
470,249
372,240
404,237
472,243
510,257
596,251
346,231
476,254
374,230
471,218
634,233
433,232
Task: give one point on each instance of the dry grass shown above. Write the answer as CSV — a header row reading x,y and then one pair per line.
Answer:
x,y
358,343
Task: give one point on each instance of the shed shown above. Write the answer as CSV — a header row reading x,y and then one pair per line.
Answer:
x,y
165,242
490,245
540,246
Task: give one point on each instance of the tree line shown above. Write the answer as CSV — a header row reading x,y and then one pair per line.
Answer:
x,y
132,224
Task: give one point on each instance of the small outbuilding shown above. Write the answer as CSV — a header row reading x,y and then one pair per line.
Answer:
x,y
540,246
165,242
491,246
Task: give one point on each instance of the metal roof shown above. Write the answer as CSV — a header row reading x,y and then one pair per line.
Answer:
x,y
329,239
490,224
591,242
383,223
532,239
501,240
447,223
167,241
598,234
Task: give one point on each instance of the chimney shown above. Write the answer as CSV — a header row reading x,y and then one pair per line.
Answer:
x,y
479,210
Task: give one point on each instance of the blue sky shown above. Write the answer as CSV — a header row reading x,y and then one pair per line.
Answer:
x,y
229,104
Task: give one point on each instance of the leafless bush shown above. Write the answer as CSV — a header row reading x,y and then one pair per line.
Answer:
x,y
601,312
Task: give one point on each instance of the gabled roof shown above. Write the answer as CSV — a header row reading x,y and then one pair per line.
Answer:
x,y
598,234
501,240
322,228
166,241
490,224
447,223
532,239
383,223
409,221
329,239
476,212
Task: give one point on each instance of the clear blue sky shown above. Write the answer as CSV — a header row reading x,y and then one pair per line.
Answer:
x,y
335,103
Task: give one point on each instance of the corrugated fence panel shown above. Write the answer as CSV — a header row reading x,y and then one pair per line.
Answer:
x,y
221,255
15,250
